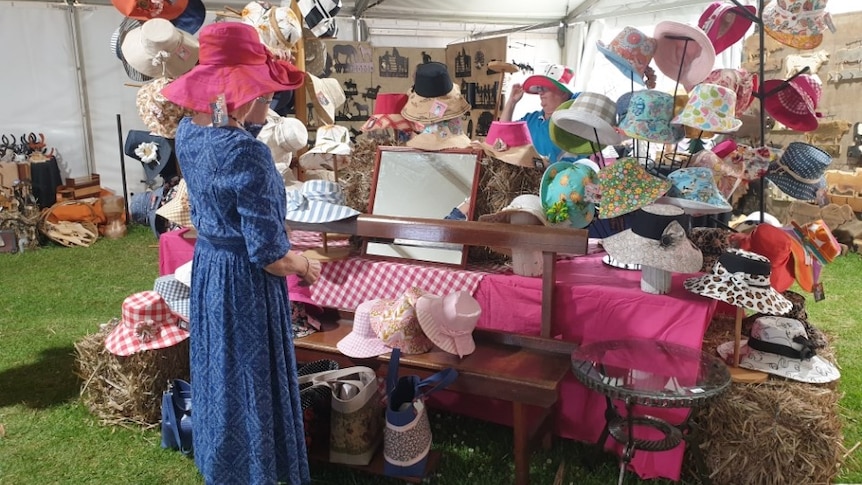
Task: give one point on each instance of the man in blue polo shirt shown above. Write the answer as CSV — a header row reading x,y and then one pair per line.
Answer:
x,y
553,89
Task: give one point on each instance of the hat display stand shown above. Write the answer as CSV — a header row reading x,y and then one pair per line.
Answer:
x,y
525,262
655,281
737,373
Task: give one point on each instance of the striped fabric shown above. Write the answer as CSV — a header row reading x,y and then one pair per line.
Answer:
x,y
319,16
176,295
318,201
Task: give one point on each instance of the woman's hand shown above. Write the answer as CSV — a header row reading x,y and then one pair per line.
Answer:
x,y
312,271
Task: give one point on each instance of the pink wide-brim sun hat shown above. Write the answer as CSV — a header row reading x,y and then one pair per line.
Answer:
x,y
699,57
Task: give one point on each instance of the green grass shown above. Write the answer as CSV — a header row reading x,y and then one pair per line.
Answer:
x,y
52,297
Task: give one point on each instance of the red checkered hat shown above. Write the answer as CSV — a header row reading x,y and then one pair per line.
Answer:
x,y
148,323
387,114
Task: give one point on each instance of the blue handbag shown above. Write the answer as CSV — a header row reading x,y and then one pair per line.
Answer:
x,y
407,436
177,417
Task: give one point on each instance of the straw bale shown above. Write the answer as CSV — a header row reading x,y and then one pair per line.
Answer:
x,y
776,432
127,391
499,183
355,177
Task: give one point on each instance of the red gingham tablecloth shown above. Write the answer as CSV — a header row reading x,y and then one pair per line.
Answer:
x,y
348,282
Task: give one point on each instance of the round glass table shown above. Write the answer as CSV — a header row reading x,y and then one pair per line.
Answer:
x,y
652,373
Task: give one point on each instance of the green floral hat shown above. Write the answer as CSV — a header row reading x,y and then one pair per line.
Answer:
x,y
625,186
563,191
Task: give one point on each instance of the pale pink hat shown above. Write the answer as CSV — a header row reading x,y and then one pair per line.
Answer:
x,y
699,54
362,342
449,321
148,323
394,322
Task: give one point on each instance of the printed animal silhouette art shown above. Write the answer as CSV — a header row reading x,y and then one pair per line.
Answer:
x,y
426,57
361,109
463,65
393,65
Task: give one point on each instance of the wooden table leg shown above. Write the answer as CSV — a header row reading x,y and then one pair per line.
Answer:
x,y
522,444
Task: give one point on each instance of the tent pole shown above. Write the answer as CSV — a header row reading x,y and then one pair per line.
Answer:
x,y
83,98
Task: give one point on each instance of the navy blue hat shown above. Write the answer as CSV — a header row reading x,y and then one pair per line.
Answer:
x,y
432,80
162,151
192,17
799,171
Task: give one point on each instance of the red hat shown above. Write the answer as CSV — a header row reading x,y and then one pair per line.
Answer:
x,y
725,23
795,105
148,323
786,254
151,9
233,62
387,114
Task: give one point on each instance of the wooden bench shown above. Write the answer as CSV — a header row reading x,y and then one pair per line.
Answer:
x,y
521,369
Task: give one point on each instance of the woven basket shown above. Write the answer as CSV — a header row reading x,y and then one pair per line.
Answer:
x,y
69,233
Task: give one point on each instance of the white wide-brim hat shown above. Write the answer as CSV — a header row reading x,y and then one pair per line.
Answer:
x,y
158,49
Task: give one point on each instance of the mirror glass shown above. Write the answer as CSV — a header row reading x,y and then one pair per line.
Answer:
x,y
428,185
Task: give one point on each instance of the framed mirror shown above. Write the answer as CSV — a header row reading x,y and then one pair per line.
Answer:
x,y
429,185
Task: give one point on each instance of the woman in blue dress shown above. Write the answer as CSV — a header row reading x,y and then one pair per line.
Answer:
x,y
248,427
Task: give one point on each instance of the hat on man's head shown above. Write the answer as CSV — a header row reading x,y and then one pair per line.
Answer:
x,y
395,323
326,95
693,189
330,141
563,193
318,201
449,321
625,186
725,23
631,52
159,49
648,117
795,104
441,135
233,62
590,116
781,346
284,136
151,9
556,76
797,23
154,152
434,97
695,56
148,323
569,142
126,26
799,172
159,114
511,142
656,239
742,279
387,114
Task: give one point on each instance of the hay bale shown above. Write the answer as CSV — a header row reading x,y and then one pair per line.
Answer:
x,y
355,177
127,390
776,432
499,183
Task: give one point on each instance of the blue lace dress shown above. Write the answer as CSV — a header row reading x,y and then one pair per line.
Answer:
x,y
247,416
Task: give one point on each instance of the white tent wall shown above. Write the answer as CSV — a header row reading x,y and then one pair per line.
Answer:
x,y
44,94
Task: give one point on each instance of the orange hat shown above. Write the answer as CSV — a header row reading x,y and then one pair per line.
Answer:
x,y
785,252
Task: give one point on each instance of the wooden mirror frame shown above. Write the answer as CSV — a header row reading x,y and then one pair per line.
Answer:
x,y
424,251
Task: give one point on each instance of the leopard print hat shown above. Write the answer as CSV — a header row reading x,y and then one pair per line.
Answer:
x,y
741,278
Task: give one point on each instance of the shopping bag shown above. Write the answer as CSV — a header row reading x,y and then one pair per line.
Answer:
x,y
407,436
356,418
177,417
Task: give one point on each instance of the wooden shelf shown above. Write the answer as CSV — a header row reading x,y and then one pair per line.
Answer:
x,y
376,465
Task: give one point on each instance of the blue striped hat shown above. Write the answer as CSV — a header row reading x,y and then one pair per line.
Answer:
x,y
318,201
799,171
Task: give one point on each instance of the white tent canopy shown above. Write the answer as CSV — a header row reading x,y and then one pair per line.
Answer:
x,y
61,79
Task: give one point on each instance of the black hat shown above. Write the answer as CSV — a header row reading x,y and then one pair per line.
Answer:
x,y
163,151
432,80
